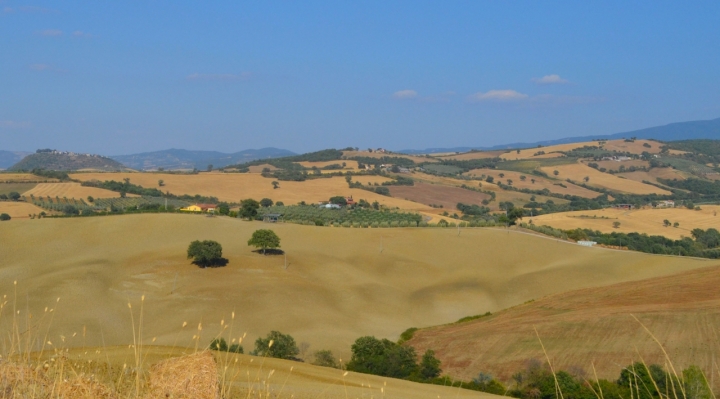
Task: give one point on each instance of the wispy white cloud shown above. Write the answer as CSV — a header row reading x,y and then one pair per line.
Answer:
x,y
405,94
79,33
551,80
8,124
219,76
499,96
50,32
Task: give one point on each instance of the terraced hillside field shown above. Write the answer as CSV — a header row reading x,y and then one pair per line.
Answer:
x,y
655,173
591,326
648,221
340,283
533,182
578,172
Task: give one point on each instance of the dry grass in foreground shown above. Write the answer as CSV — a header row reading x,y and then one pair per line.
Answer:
x,y
37,365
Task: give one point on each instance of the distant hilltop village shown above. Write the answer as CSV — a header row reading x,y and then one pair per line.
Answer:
x,y
56,152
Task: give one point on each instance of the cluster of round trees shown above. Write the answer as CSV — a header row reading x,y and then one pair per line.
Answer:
x,y
208,253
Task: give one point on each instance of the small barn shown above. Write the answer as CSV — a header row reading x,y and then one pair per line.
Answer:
x,y
272,217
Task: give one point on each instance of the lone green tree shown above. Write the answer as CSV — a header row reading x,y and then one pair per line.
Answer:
x,y
264,239
277,345
266,202
248,208
430,365
205,253
275,184
4,217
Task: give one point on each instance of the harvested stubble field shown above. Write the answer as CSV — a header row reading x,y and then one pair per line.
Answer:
x,y
23,178
540,182
633,147
577,172
530,152
648,221
351,165
260,168
615,165
233,187
473,155
341,283
19,210
71,190
446,196
591,326
416,159
653,174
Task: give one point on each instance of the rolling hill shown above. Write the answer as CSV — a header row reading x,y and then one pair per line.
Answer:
x,y
10,158
590,326
186,159
340,283
67,161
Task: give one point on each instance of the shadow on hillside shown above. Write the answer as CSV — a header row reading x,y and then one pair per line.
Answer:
x,y
270,251
222,262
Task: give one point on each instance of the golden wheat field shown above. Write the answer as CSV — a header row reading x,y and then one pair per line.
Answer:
x,y
19,209
578,172
340,283
615,165
353,165
234,187
534,182
530,152
414,158
648,221
71,190
471,155
655,173
592,327
634,147
22,177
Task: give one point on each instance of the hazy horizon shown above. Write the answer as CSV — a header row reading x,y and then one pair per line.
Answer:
x,y
125,78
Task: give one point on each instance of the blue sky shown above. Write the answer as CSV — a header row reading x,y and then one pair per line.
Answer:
x,y
124,77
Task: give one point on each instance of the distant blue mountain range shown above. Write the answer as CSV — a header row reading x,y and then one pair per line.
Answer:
x,y
186,159
708,129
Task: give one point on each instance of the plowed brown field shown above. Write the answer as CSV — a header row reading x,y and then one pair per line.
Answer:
x,y
446,196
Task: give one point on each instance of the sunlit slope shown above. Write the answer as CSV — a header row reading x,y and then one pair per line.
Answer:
x,y
341,283
648,221
591,325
